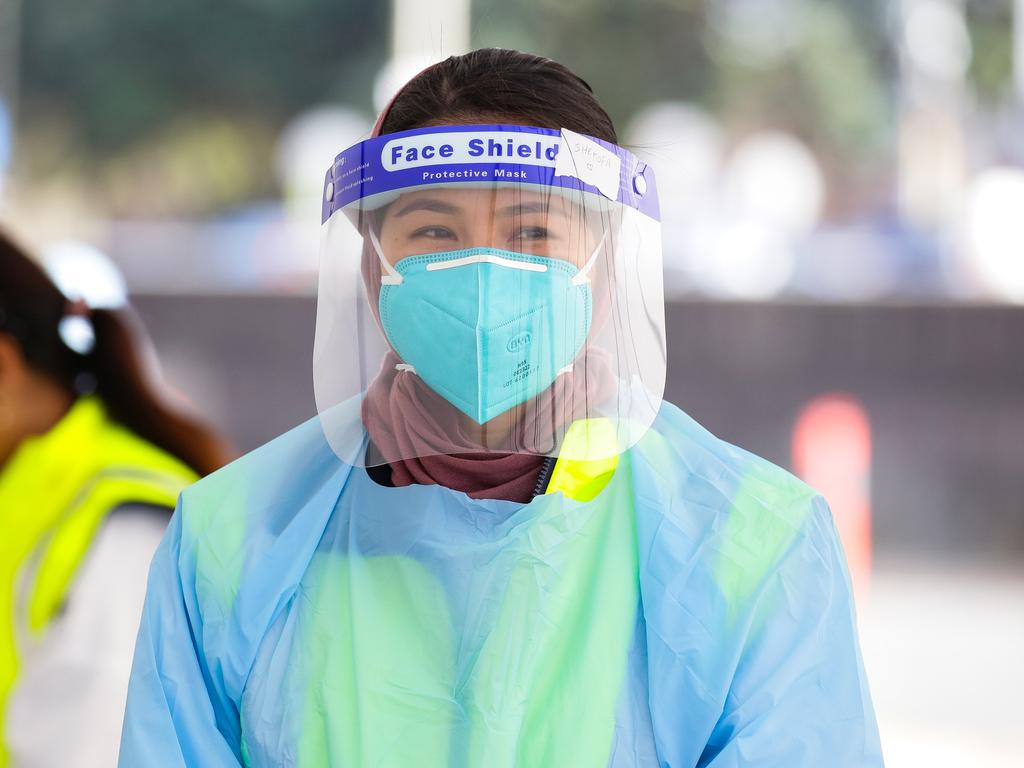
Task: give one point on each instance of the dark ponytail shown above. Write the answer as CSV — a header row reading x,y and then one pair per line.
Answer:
x,y
31,311
498,85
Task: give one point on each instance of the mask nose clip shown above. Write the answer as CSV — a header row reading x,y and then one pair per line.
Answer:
x,y
391,276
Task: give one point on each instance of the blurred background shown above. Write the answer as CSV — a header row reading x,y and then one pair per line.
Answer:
x,y
842,188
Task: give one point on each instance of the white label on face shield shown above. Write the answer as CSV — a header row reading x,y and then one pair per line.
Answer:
x,y
488,147
589,162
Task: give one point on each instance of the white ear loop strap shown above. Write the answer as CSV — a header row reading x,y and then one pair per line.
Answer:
x,y
391,276
583,276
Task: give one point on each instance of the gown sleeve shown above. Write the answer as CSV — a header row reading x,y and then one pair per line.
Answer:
x,y
799,696
177,713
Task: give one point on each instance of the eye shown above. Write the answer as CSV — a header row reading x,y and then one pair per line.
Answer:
x,y
434,233
531,233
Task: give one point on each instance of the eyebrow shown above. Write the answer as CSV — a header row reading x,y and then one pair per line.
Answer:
x,y
429,204
521,208
440,206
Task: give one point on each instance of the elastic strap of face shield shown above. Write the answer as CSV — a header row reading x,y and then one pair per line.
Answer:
x,y
379,125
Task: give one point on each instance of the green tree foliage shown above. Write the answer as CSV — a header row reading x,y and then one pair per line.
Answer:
x,y
123,68
991,25
114,89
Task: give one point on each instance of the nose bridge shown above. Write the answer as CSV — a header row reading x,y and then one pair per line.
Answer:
x,y
483,230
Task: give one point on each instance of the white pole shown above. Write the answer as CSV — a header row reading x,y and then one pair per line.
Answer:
x,y
430,31
422,32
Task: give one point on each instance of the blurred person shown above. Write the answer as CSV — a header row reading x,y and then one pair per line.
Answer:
x,y
496,544
91,462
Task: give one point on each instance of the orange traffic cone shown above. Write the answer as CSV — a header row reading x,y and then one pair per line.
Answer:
x,y
832,454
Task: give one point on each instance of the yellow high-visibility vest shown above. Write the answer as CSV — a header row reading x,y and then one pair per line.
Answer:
x,y
55,492
589,459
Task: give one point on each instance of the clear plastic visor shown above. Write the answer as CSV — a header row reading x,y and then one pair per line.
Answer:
x,y
488,318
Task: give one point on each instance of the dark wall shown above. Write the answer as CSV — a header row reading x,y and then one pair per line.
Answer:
x,y
943,388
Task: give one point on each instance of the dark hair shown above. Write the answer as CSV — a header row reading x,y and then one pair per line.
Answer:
x,y
497,84
31,309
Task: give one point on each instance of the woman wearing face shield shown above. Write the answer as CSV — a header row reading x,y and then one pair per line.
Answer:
x,y
496,544
91,463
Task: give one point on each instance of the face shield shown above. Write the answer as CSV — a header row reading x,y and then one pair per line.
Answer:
x,y
483,289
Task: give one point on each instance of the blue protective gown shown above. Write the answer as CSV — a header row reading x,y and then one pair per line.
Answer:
x,y
696,613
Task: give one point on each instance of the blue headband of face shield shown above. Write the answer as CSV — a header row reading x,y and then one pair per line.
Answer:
x,y
487,329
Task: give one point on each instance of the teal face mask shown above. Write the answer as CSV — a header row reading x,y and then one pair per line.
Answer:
x,y
486,329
